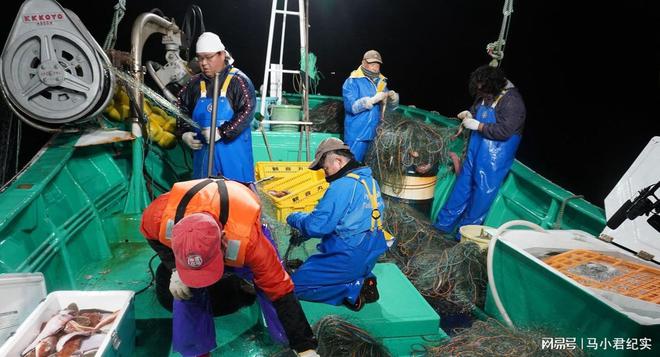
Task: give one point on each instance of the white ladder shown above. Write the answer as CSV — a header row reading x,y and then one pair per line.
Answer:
x,y
276,70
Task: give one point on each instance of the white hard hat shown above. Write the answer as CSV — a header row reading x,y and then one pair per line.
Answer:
x,y
209,42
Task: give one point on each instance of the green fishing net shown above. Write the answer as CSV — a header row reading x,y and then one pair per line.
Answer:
x,y
450,275
490,338
404,145
338,338
328,117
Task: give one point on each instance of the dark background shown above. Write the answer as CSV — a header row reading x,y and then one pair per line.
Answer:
x,y
589,73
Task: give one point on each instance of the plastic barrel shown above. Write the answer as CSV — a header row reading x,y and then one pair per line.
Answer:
x,y
285,113
477,234
416,191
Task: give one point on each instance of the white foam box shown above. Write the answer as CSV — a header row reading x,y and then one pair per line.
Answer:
x,y
120,340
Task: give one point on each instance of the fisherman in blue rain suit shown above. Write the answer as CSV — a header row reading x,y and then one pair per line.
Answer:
x,y
365,92
496,132
236,106
347,219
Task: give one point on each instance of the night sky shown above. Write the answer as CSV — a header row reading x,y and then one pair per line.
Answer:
x,y
590,76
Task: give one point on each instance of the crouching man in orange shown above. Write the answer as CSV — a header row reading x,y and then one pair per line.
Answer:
x,y
197,229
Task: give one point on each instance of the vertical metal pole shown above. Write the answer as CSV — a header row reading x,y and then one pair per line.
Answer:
x,y
300,142
263,134
306,98
214,120
301,23
269,49
286,7
303,46
280,74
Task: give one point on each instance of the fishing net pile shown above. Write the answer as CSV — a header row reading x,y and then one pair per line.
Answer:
x,y
490,338
328,117
451,276
338,338
281,232
403,144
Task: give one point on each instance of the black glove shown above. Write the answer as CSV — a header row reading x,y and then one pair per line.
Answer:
x,y
296,238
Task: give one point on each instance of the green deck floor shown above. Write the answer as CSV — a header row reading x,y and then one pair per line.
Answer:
x,y
401,318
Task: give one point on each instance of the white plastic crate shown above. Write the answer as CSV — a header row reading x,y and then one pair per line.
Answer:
x,y
19,294
120,340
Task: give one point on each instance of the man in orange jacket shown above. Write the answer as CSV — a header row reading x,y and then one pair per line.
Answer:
x,y
197,229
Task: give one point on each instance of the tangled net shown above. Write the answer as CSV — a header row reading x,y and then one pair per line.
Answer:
x,y
328,117
281,232
455,276
490,338
403,145
337,338
451,276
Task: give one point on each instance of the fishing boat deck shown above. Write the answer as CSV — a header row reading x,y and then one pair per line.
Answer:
x,y
67,216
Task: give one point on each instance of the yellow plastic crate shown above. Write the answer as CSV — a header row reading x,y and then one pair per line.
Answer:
x,y
278,169
311,192
283,212
304,189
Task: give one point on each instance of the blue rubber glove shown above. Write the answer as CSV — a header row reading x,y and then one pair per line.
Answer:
x,y
294,218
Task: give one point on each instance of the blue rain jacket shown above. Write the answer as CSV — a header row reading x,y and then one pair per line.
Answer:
x,y
348,249
360,123
486,165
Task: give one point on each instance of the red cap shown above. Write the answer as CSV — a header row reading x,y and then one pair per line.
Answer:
x,y
197,251
152,215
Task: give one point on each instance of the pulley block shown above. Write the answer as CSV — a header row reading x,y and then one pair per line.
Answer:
x,y
53,71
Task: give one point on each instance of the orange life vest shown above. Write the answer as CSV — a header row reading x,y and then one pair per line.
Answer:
x,y
231,203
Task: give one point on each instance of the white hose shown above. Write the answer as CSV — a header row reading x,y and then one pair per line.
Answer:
x,y
489,263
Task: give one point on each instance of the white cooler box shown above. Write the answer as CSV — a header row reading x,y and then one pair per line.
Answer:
x,y
621,310
16,298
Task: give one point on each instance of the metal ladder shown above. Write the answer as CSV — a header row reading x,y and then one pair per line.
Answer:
x,y
274,71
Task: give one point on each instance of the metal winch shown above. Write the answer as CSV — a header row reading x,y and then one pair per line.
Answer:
x,y
53,71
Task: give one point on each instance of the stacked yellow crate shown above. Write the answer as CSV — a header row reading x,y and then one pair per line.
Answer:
x,y
278,169
295,188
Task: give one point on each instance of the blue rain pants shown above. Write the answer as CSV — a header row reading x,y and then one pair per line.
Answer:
x,y
339,270
486,165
